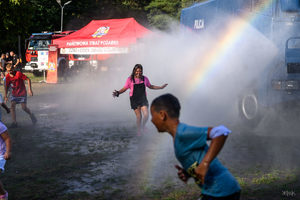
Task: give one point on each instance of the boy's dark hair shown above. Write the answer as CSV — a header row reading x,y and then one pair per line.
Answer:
x,y
169,103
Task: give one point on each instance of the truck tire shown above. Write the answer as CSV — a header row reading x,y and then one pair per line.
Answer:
x,y
62,69
250,110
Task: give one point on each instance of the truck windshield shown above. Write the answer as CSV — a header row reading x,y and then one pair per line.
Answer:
x,y
39,44
294,43
79,56
290,9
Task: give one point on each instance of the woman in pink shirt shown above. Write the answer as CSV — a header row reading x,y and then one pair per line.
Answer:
x,y
137,84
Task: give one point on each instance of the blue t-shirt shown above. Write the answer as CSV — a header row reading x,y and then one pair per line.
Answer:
x,y
190,148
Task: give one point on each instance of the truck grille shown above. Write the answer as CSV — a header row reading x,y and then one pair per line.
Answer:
x,y
285,84
34,59
293,68
81,62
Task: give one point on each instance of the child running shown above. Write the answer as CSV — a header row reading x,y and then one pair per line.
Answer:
x,y
15,80
5,146
137,84
198,160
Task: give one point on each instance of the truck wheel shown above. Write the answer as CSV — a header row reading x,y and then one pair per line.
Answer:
x,y
62,69
250,109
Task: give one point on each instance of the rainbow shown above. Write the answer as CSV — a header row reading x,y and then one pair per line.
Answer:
x,y
214,56
154,151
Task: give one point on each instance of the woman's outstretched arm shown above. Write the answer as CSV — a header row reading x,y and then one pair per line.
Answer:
x,y
154,87
116,93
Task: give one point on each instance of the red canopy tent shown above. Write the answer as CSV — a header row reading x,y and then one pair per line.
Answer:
x,y
100,38
112,36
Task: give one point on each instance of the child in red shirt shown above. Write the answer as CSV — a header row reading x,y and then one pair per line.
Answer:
x,y
15,80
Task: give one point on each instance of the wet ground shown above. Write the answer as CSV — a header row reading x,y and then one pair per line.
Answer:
x,y
83,149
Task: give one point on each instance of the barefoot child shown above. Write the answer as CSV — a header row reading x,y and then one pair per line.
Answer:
x,y
5,146
137,84
15,80
198,160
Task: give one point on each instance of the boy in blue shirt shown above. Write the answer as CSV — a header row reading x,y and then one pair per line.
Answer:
x,y
198,160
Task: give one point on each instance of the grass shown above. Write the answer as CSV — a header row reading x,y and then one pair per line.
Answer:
x,y
255,185
34,78
267,178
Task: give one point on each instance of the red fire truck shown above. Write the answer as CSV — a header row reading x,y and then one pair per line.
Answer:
x,y
37,51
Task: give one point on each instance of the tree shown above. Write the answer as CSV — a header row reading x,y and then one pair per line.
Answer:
x,y
24,17
162,13
15,23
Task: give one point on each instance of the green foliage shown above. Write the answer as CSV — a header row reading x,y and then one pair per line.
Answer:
x,y
163,6
16,2
161,21
186,3
15,20
46,16
162,12
136,4
21,18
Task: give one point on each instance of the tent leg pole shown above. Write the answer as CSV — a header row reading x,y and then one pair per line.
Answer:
x,y
44,75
